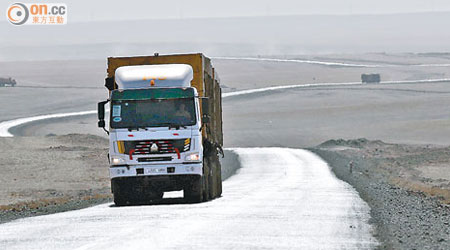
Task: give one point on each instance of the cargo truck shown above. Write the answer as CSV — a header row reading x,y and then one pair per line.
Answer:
x,y
7,81
370,78
165,127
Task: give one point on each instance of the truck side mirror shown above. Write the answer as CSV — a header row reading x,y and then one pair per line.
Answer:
x,y
101,114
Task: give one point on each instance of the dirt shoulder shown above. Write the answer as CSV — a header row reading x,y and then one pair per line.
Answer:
x,y
406,186
43,175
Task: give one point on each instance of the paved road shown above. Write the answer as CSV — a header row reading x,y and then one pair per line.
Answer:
x,y
280,199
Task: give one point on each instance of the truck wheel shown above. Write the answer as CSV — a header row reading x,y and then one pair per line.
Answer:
x,y
212,183
219,179
194,192
215,179
120,198
206,196
207,184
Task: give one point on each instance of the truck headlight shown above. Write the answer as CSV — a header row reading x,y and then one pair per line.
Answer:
x,y
117,160
193,157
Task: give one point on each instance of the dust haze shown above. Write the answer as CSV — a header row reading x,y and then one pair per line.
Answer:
x,y
243,36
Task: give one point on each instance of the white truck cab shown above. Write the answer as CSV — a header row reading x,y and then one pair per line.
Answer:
x,y
155,122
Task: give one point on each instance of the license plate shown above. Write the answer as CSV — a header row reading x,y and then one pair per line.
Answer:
x,y
159,170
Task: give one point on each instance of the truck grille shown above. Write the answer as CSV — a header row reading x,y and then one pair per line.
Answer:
x,y
157,146
152,159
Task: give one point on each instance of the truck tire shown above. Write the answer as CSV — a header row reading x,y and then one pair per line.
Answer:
x,y
209,175
207,185
193,193
212,185
120,197
215,178
218,178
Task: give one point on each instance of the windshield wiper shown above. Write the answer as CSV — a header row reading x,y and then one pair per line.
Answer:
x,y
171,125
164,124
136,128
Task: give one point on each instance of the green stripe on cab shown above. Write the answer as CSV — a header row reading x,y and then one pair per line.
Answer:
x,y
156,93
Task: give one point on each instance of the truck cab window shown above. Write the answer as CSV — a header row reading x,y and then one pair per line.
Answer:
x,y
154,113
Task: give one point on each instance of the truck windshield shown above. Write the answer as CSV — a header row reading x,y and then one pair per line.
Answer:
x,y
153,113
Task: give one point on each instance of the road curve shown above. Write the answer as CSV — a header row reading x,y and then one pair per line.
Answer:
x,y
280,199
5,126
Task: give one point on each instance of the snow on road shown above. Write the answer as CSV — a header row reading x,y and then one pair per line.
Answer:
x,y
280,199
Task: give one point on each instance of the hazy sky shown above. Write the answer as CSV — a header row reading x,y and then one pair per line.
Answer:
x,y
174,26
94,10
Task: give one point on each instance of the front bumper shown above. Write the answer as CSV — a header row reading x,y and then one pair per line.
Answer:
x,y
116,171
140,185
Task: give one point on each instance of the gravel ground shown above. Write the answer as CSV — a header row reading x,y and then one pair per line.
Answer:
x,y
52,174
409,211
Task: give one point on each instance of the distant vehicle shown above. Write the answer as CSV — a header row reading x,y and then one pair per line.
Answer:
x,y
370,78
7,81
165,127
